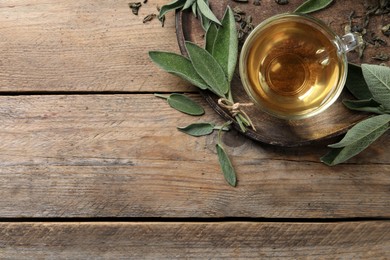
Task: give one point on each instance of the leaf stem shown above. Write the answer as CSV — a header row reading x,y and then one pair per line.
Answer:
x,y
161,96
225,125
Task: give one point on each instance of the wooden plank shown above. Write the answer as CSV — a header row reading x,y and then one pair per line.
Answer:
x,y
83,45
232,240
121,156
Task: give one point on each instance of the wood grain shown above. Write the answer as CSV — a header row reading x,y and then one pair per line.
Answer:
x,y
66,45
232,240
121,156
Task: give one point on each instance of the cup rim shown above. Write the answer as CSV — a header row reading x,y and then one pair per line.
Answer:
x,y
244,54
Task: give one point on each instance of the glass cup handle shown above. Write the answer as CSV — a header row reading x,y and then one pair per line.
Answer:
x,y
351,41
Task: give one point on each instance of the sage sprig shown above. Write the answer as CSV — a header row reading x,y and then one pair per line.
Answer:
x,y
376,94
211,67
312,6
200,8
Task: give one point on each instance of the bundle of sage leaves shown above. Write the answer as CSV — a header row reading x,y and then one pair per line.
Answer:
x,y
211,68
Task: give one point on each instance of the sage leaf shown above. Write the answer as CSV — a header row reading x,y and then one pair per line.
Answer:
x,y
198,129
225,48
337,156
226,166
208,69
185,105
206,11
203,21
312,6
195,9
170,7
356,83
188,4
363,129
378,81
211,34
179,66
366,105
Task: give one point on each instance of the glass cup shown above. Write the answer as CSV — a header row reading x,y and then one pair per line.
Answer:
x,y
293,66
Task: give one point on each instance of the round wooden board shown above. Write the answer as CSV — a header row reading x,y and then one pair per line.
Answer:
x,y
289,133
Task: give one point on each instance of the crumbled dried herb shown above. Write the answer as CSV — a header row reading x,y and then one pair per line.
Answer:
x,y
386,30
376,40
149,17
256,2
241,1
281,2
244,22
135,6
381,57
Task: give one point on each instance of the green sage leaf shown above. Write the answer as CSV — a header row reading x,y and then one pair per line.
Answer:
x,y
356,83
198,129
226,166
171,7
179,66
366,105
225,48
206,11
208,69
185,105
211,34
204,21
195,9
378,81
337,156
188,4
312,6
358,133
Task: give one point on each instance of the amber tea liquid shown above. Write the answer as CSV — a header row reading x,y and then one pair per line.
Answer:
x,y
293,68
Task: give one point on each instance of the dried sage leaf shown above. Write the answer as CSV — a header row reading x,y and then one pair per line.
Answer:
x,y
378,81
226,166
206,11
357,139
198,129
312,6
179,66
366,105
356,83
208,69
225,49
185,104
171,7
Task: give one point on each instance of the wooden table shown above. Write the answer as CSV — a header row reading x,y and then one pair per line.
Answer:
x,y
92,165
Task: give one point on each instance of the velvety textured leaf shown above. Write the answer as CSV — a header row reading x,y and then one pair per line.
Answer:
x,y
206,11
378,81
185,105
170,7
225,48
195,9
211,34
312,6
358,133
188,4
208,69
179,66
367,105
336,156
204,21
226,166
356,83
198,129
